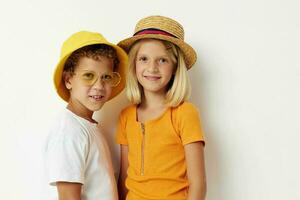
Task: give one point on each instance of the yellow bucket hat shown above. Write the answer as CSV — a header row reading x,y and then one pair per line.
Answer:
x,y
77,41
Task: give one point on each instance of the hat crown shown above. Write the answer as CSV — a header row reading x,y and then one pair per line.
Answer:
x,y
80,39
161,23
161,28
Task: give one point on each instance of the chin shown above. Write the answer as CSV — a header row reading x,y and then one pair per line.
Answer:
x,y
154,89
98,107
95,107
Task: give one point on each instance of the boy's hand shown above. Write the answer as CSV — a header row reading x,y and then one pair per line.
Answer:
x,y
68,191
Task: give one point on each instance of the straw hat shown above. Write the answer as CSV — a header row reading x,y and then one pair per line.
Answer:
x,y
163,28
77,41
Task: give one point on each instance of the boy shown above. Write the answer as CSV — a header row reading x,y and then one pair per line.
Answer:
x,y
90,72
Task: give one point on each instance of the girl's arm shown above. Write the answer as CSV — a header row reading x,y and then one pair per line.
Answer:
x,y
194,155
123,172
68,191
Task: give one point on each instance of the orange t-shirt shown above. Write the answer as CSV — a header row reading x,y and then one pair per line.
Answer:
x,y
157,168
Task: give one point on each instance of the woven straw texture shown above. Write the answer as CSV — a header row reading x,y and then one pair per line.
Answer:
x,y
167,25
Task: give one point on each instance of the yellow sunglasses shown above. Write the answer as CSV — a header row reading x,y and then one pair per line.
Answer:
x,y
89,78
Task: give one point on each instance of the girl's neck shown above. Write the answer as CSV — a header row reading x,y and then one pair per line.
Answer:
x,y
151,107
153,101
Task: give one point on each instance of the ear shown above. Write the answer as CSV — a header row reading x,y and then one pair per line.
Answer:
x,y
67,78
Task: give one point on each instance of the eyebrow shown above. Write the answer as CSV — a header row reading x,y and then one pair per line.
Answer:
x,y
164,55
86,70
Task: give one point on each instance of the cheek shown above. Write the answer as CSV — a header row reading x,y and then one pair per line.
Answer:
x,y
139,70
108,90
81,89
169,70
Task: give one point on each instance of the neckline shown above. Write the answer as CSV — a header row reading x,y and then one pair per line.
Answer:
x,y
150,120
82,119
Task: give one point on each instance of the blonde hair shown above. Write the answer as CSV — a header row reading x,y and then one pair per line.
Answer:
x,y
179,87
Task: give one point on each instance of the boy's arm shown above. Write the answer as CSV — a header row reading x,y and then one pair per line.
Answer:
x,y
123,172
68,191
194,153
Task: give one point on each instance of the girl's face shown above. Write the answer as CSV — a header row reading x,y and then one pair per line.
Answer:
x,y
154,67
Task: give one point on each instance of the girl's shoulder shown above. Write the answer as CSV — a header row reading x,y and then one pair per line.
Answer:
x,y
185,115
184,108
129,110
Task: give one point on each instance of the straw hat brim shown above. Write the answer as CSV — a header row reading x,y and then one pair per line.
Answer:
x,y
189,53
64,93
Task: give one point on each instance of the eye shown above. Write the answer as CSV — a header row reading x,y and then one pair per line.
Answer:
x,y
163,60
106,77
88,75
143,59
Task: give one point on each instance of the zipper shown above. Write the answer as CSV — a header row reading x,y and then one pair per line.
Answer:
x,y
142,148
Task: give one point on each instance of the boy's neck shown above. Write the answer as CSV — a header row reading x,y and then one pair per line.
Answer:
x,y
80,111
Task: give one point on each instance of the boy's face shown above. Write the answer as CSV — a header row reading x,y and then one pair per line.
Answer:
x,y
88,91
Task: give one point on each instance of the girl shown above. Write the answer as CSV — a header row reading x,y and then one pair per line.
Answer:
x,y
160,134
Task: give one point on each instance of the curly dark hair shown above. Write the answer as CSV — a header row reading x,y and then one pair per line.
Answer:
x,y
95,52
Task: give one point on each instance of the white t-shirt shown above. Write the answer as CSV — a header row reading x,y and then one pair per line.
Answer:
x,y
77,152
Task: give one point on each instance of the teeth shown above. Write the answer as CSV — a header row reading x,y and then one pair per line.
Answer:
x,y
152,77
97,97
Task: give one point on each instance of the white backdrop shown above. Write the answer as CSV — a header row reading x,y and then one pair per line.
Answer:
x,y
246,84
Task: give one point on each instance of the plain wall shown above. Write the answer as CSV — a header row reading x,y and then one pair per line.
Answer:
x,y
246,84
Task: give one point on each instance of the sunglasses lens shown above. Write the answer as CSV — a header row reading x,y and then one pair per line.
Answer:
x,y
88,78
115,79
112,79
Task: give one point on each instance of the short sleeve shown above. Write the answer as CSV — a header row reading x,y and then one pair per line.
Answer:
x,y
189,124
121,137
65,158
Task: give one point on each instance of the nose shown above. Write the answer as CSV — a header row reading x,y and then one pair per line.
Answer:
x,y
153,68
99,84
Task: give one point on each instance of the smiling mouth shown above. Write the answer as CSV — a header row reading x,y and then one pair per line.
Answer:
x,y
97,97
152,78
